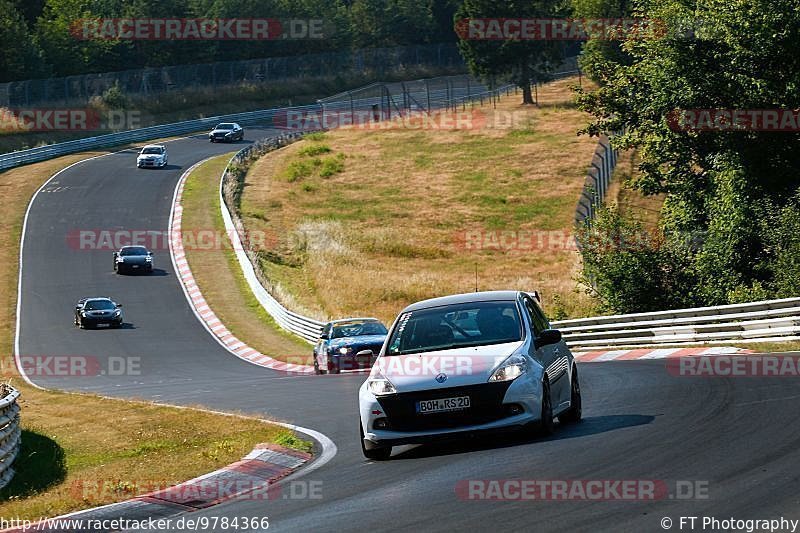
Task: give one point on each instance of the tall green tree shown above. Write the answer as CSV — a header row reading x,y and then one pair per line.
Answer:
x,y
523,61
739,54
20,57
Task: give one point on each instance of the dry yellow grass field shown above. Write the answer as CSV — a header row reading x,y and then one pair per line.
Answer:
x,y
81,450
366,221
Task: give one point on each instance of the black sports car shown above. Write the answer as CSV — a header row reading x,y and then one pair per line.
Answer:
x,y
133,259
348,344
226,132
93,312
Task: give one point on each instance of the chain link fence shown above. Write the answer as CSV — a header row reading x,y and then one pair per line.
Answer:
x,y
377,61
384,101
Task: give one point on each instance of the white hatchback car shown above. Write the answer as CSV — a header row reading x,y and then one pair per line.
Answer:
x,y
466,364
152,156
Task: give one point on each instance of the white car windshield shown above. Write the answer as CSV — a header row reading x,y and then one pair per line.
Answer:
x,y
153,150
456,326
224,127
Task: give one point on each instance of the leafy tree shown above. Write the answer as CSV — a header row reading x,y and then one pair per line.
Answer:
x,y
597,52
524,61
23,59
741,55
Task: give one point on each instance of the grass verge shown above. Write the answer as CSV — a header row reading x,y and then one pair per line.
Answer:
x,y
201,102
82,450
219,276
369,220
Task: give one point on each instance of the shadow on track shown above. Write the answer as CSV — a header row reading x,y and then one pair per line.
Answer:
x,y
588,426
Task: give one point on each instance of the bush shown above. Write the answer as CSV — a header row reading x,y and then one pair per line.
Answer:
x,y
630,269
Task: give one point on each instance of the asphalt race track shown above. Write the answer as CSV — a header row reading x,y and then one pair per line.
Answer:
x,y
737,437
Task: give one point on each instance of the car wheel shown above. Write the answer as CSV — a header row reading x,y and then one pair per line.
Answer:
x,y
375,454
317,371
75,322
116,325
575,411
333,366
546,425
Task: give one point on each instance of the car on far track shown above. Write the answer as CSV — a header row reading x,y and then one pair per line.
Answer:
x,y
467,364
152,156
226,132
133,259
93,312
348,344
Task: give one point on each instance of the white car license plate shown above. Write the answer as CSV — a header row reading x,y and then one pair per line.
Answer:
x,y
443,404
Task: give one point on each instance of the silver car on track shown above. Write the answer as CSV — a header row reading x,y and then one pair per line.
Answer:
x,y
466,364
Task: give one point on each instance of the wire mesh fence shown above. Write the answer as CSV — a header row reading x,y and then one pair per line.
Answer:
x,y
377,61
384,101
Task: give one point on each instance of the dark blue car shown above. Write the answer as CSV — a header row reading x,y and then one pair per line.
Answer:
x,y
348,344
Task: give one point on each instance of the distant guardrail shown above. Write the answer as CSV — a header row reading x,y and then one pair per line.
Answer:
x,y
598,179
43,153
10,433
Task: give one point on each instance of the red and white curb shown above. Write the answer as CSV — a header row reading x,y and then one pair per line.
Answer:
x,y
201,308
253,478
600,356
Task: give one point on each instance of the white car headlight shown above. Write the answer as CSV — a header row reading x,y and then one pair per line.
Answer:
x,y
344,350
117,312
511,369
380,386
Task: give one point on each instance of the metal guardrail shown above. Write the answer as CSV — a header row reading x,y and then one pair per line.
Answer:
x,y
34,155
755,322
10,433
597,181
304,327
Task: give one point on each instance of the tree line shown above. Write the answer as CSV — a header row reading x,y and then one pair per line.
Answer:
x,y
39,42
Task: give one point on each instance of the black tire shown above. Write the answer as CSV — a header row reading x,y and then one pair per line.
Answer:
x,y
546,425
317,371
75,322
574,414
333,366
116,325
375,454
211,139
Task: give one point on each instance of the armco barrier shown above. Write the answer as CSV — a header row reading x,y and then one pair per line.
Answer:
x,y
597,181
10,432
34,155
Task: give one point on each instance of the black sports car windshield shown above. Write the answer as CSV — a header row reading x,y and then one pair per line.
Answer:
x,y
156,151
99,305
456,326
356,329
138,250
224,127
